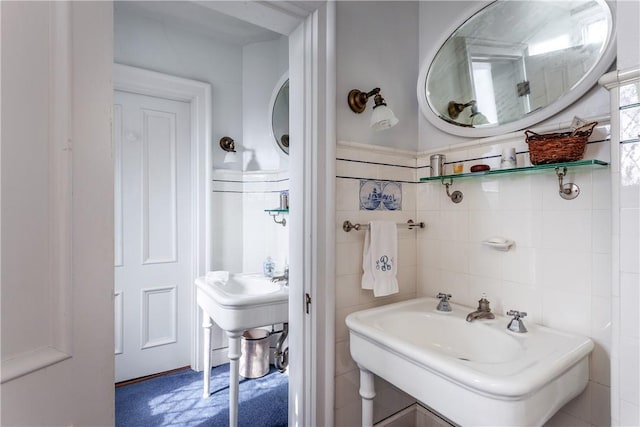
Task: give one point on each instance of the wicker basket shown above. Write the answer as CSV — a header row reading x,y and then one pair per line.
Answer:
x,y
558,147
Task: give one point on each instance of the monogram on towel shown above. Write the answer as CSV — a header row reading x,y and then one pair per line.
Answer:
x,y
379,258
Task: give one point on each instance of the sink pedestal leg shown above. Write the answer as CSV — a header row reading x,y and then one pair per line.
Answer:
x,y
367,392
206,360
234,375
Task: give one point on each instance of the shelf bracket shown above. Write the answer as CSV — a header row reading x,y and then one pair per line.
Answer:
x,y
456,196
569,190
274,215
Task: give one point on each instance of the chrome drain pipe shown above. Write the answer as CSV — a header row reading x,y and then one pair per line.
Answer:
x,y
281,359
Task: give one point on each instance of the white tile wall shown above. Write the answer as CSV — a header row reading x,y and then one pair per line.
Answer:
x,y
243,233
625,340
559,271
381,164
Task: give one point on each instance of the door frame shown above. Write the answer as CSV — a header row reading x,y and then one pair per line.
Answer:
x,y
198,95
312,86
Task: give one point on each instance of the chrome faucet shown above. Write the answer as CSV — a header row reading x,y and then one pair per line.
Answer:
x,y
516,324
443,305
483,311
284,278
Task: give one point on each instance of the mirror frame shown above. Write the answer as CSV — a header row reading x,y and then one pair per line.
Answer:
x,y
272,103
566,99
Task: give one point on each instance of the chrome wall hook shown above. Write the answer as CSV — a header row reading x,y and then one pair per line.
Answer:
x,y
568,191
456,196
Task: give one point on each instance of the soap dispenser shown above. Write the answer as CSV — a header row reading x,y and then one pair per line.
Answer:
x,y
268,267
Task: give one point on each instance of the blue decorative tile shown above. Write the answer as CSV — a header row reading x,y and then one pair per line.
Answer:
x,y
380,195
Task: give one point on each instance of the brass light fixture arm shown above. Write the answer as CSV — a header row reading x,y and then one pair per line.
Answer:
x,y
228,144
358,100
454,108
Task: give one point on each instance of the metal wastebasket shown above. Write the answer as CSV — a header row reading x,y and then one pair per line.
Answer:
x,y
254,362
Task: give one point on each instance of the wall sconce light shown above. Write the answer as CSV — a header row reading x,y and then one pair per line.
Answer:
x,y
454,109
229,145
382,116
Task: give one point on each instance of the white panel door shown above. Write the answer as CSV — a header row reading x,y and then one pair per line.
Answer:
x,y
152,234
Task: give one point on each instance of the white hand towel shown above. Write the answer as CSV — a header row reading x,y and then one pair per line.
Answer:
x,y
379,258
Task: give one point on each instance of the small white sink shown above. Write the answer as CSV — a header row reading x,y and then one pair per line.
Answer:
x,y
452,338
243,301
473,373
236,302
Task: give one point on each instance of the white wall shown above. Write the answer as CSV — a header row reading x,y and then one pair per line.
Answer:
x,y
627,14
376,47
626,256
145,42
519,206
625,376
244,234
263,64
243,79
349,246
558,270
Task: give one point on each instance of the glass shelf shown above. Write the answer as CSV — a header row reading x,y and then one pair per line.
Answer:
x,y
525,169
277,210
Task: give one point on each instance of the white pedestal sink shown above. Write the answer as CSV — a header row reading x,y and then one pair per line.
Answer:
x,y
473,373
244,301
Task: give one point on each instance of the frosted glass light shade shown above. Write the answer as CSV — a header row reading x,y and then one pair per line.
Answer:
x,y
231,157
383,118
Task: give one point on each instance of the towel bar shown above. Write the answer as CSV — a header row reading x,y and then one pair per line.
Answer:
x,y
348,226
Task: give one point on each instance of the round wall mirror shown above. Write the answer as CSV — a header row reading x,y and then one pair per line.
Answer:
x,y
280,114
515,63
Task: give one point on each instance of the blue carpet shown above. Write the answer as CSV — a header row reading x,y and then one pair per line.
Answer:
x,y
176,400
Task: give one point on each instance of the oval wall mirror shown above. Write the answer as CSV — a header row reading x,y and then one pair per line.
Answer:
x,y
280,114
515,63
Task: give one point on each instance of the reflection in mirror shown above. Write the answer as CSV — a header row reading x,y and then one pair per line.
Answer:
x,y
513,61
280,116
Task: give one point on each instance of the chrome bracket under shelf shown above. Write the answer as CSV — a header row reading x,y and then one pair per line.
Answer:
x,y
274,215
569,190
456,196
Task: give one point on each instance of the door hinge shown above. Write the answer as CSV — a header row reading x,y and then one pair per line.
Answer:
x,y
307,299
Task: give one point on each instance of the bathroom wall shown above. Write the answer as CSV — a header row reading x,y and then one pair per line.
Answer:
x,y
550,233
626,263
558,271
244,235
627,13
263,64
626,188
376,47
162,45
242,80
356,162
